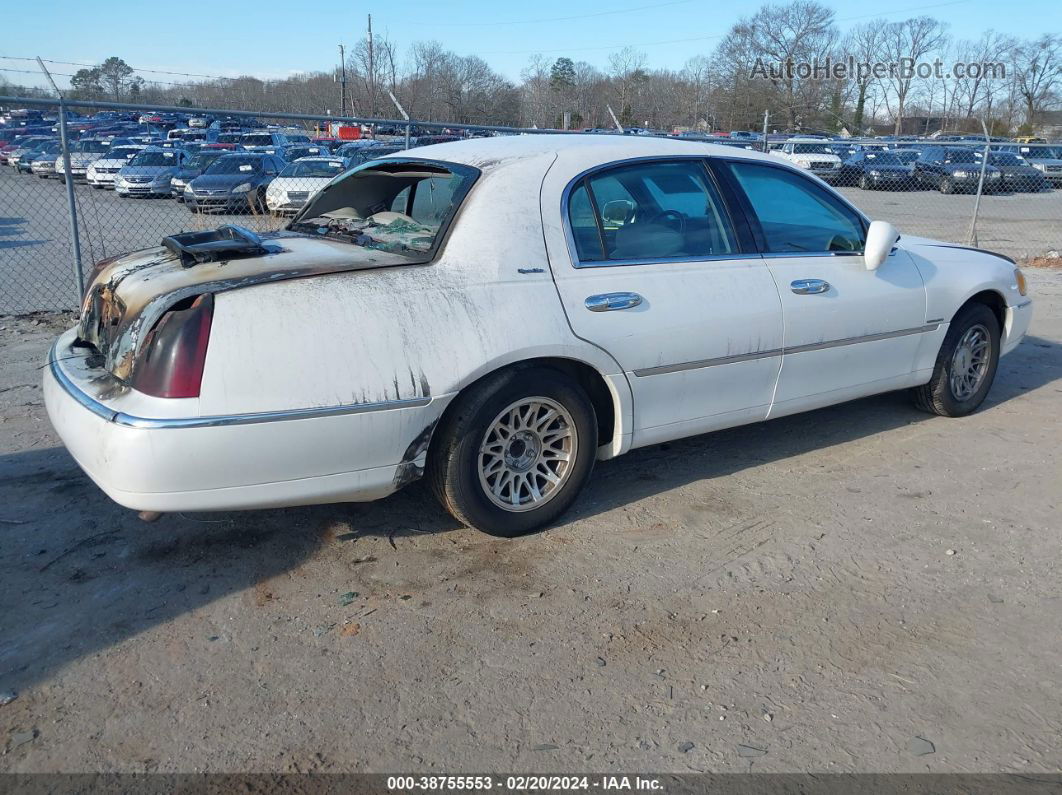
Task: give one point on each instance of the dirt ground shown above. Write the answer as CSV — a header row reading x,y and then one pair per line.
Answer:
x,y
862,588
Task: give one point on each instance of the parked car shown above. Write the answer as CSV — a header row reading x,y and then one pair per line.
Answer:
x,y
1018,174
43,165
22,146
149,173
192,168
268,142
289,192
103,172
814,155
234,182
402,326
876,169
1045,159
83,154
201,122
49,148
953,169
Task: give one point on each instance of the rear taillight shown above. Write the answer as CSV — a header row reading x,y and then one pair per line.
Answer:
x,y
171,361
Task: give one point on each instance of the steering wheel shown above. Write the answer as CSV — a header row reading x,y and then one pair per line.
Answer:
x,y
672,219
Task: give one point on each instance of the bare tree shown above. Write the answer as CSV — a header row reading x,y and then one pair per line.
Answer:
x,y
1038,73
908,42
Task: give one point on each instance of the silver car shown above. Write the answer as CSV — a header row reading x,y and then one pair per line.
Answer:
x,y
103,172
149,173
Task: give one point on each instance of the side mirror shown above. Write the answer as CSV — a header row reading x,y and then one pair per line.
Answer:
x,y
881,237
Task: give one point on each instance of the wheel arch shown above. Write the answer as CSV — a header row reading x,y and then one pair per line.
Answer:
x,y
991,298
610,398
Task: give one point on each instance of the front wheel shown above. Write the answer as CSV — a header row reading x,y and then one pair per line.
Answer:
x,y
515,452
864,182
965,366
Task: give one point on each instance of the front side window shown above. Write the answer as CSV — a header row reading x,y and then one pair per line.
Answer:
x,y
795,214
647,211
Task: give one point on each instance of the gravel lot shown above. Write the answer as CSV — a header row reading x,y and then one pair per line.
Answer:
x,y
862,588
35,245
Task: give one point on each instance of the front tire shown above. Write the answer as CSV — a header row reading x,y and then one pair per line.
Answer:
x,y
965,366
513,454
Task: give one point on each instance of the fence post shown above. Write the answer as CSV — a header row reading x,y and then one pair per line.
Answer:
x,y
980,185
68,178
75,240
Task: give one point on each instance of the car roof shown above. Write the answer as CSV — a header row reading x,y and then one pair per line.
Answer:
x,y
588,149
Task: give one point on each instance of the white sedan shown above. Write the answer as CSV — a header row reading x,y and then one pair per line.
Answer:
x,y
498,314
300,180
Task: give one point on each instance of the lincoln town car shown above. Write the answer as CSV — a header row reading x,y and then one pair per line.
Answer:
x,y
496,315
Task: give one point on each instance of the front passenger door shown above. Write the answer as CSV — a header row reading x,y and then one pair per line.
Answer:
x,y
848,331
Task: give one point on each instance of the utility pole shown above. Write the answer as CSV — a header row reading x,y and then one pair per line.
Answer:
x,y
342,82
372,75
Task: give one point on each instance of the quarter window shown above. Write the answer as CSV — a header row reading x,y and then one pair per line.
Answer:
x,y
795,214
648,211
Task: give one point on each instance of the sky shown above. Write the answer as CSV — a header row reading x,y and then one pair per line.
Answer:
x,y
274,39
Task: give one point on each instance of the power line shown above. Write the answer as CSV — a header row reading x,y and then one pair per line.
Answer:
x,y
653,7
134,68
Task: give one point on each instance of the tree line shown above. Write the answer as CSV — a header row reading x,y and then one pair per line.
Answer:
x,y
726,89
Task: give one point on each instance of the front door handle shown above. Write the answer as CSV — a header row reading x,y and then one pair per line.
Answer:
x,y
809,286
607,302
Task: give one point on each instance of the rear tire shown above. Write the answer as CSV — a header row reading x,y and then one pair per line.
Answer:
x,y
515,451
965,367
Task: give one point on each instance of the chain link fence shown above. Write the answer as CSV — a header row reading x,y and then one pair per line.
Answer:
x,y
227,166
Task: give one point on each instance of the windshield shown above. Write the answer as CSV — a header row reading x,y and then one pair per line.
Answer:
x,y
372,152
401,207
1040,152
203,159
812,149
1005,159
229,138
906,156
90,146
314,168
154,158
263,139
123,152
883,159
235,164
961,156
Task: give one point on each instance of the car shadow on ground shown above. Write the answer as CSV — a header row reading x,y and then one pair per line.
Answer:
x,y
79,574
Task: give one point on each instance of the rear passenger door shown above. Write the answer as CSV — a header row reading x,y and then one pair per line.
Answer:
x,y
652,267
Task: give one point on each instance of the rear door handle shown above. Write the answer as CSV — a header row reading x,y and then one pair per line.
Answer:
x,y
607,302
809,286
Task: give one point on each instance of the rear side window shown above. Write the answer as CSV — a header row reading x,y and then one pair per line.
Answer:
x,y
649,211
795,214
399,206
